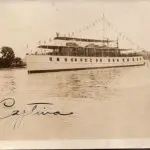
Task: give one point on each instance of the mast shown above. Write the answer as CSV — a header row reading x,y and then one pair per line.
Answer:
x,y
103,28
117,42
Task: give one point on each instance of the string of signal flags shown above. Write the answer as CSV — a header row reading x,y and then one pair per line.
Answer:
x,y
94,24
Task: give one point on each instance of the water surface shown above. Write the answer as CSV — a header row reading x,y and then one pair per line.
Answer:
x,y
107,103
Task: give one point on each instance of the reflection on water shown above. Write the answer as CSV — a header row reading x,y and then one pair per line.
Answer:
x,y
96,83
7,82
73,84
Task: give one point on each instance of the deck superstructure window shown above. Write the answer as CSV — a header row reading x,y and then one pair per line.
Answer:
x,y
100,60
123,59
127,59
65,59
85,60
91,60
117,60
57,59
96,60
75,59
50,58
140,58
72,59
80,59
133,59
108,60
137,59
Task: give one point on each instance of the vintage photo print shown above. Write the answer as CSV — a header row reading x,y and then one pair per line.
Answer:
x,y
74,74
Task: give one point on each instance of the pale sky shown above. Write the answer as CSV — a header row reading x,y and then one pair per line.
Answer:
x,y
26,22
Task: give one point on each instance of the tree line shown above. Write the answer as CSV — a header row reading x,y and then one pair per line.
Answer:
x,y
8,59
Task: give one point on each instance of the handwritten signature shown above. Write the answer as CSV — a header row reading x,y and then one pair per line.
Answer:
x,y
38,109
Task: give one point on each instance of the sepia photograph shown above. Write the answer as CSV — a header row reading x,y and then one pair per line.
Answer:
x,y
73,71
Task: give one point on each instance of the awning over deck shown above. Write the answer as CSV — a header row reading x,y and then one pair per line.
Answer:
x,y
77,47
82,39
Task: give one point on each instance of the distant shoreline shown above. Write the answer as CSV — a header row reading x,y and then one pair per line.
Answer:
x,y
24,67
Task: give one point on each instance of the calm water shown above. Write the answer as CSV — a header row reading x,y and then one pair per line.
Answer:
x,y
107,103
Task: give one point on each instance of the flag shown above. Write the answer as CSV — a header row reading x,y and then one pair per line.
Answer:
x,y
96,21
50,39
120,34
39,42
72,33
57,34
109,23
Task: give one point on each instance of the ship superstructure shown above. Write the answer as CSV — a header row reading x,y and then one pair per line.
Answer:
x,y
73,53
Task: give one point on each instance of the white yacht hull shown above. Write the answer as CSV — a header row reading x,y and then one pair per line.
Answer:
x,y
45,63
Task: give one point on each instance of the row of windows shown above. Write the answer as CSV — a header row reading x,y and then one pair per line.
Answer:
x,y
97,60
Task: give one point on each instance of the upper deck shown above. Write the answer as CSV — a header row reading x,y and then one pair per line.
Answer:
x,y
82,39
72,46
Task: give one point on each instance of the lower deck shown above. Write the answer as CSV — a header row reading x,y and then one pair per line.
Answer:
x,y
44,63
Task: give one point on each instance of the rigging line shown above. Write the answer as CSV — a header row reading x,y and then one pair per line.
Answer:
x,y
122,35
97,21
103,28
88,27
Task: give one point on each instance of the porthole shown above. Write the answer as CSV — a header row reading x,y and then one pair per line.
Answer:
x,y
50,58
80,59
113,60
100,60
96,60
123,59
117,60
75,59
127,59
57,59
85,60
108,60
133,59
72,59
65,59
91,60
